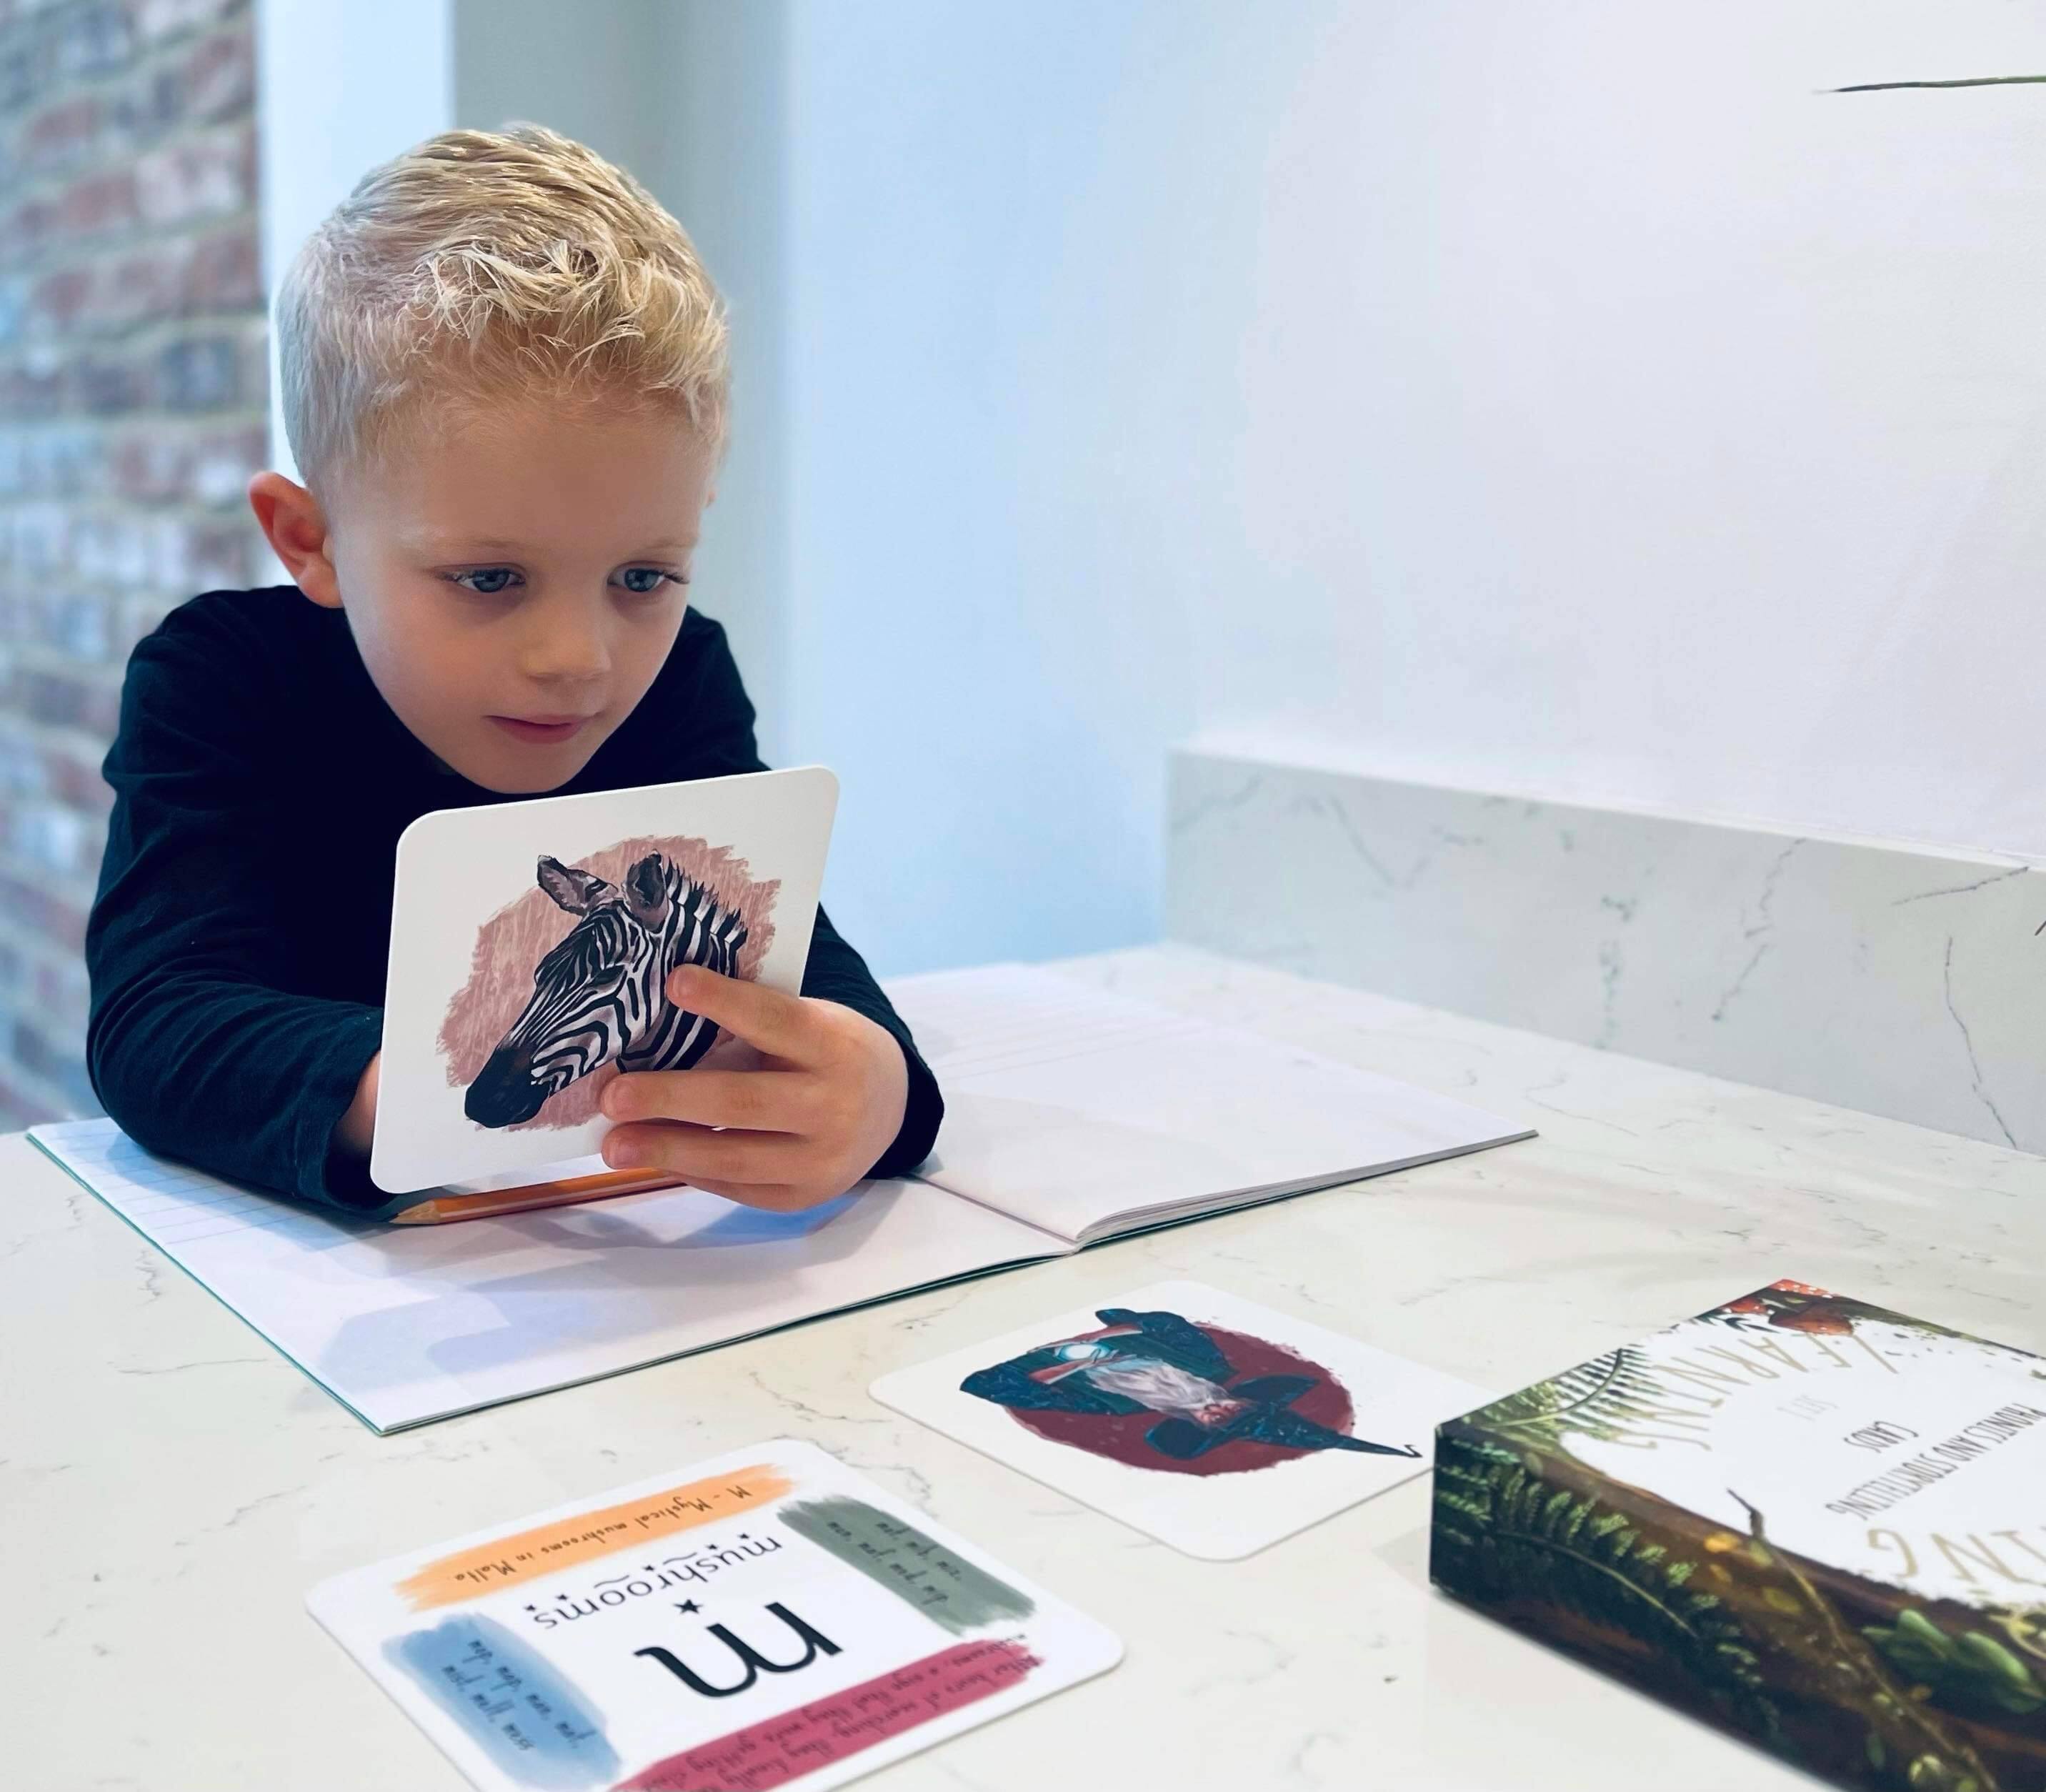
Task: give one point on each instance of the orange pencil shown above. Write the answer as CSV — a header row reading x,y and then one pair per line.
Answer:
x,y
494,1202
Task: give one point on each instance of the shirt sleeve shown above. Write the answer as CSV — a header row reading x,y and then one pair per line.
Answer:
x,y
720,740
193,1045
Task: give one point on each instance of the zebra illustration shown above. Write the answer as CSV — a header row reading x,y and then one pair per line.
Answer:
x,y
599,994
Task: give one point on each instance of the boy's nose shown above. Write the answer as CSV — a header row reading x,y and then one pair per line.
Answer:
x,y
572,663
565,652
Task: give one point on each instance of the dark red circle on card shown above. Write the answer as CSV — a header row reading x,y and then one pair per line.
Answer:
x,y
1119,1436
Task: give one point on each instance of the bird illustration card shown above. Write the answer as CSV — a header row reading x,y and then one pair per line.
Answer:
x,y
1212,1424
766,1619
531,946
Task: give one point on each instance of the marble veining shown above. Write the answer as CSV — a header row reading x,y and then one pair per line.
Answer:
x,y
1909,984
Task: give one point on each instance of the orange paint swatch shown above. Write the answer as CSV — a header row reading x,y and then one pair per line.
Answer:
x,y
584,1536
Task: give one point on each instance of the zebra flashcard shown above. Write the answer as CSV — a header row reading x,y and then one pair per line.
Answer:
x,y
530,947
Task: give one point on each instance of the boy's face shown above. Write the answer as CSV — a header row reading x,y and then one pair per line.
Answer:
x,y
515,584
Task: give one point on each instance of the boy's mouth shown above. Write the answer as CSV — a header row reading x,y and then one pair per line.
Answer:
x,y
543,730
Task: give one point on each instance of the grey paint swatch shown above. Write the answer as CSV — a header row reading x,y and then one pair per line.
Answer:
x,y
895,1555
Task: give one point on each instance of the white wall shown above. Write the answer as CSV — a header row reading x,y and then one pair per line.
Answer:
x,y
1568,398
1565,398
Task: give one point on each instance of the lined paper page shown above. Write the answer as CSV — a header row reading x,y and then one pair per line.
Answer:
x,y
407,1323
171,1203
1085,1112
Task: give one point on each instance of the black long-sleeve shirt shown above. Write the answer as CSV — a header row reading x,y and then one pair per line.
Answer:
x,y
238,942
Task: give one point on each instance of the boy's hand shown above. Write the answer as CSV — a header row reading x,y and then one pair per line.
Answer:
x,y
804,1128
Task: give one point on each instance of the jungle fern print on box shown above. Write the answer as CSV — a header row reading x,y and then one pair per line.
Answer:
x,y
1817,1523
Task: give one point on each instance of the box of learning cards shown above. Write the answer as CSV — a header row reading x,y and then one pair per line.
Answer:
x,y
1817,1524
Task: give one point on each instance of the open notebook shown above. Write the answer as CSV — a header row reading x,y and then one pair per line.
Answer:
x,y
1072,1115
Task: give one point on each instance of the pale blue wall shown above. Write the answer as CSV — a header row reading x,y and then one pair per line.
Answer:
x,y
342,85
1017,271
1573,399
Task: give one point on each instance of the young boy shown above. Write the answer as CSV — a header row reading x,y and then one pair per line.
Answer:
x,y
505,383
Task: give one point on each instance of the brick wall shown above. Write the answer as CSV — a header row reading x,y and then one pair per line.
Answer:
x,y
133,406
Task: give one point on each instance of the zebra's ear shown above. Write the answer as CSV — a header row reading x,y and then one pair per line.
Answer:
x,y
647,891
578,891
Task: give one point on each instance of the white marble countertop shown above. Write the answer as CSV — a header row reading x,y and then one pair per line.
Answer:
x,y
170,1486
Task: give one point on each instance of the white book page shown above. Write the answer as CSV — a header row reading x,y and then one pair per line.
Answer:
x,y
1085,1113
407,1323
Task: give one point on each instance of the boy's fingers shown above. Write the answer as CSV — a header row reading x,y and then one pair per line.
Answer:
x,y
692,1151
764,1101
765,1017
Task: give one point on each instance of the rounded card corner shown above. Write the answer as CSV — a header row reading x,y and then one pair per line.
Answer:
x,y
824,777
384,1173
418,825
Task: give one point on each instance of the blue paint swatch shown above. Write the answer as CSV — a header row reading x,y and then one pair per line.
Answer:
x,y
529,1720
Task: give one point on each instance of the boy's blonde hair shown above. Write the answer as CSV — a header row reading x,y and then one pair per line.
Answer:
x,y
482,265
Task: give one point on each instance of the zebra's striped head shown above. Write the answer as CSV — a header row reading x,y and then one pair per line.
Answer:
x,y
599,994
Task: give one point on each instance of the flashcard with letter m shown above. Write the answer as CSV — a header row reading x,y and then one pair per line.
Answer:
x,y
768,1618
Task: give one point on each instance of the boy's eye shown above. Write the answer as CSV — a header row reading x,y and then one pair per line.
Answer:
x,y
490,581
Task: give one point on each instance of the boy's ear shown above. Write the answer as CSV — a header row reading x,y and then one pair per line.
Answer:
x,y
295,527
